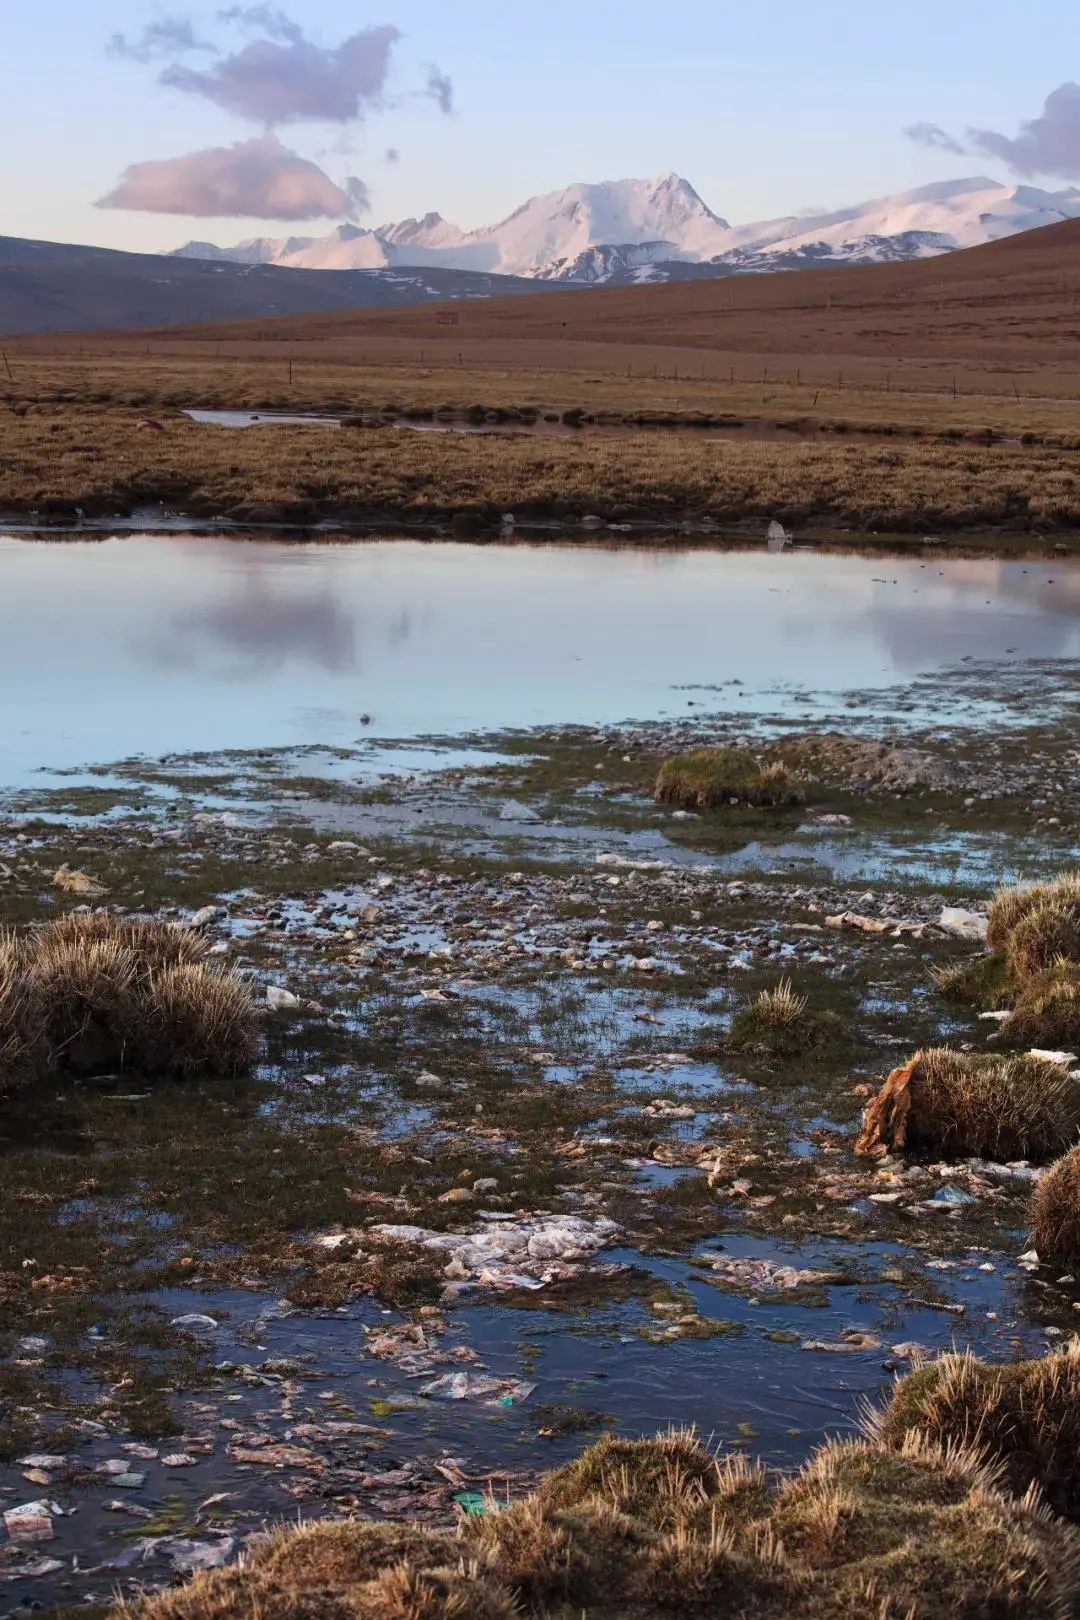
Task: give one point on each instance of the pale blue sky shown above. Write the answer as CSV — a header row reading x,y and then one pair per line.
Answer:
x,y
766,108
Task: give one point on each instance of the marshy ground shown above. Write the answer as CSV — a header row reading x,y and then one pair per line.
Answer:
x,y
516,989
105,435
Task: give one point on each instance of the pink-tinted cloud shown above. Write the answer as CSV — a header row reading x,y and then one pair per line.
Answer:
x,y
288,79
260,179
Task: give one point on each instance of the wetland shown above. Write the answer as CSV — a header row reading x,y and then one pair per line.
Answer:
x,y
503,1178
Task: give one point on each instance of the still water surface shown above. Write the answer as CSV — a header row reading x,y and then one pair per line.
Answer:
x,y
160,644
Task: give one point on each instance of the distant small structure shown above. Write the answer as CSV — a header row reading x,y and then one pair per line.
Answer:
x,y
447,317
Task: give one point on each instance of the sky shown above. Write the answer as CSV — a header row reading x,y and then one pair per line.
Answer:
x,y
187,122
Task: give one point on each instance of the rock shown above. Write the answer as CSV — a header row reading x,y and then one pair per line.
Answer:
x,y
207,916
457,1195
964,924
75,882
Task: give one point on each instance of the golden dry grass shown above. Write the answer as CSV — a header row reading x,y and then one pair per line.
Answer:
x,y
181,373
23,1049
1011,905
652,1529
1046,1013
964,1104
61,458
92,992
1024,1416
1055,1211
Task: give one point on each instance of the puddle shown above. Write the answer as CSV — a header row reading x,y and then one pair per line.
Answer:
x,y
181,644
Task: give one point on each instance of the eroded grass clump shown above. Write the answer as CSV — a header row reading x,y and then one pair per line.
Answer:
x,y
1047,1010
1012,906
1033,969
780,1024
92,992
964,1104
23,1050
709,778
1055,1211
1024,1417
921,1529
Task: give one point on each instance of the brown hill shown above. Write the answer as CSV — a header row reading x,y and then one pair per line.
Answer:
x,y
995,318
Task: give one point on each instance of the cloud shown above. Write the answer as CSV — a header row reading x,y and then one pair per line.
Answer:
x,y
270,19
172,36
1049,144
260,178
934,136
440,87
284,81
392,155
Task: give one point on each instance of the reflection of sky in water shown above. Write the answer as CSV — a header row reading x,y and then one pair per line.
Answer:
x,y
151,645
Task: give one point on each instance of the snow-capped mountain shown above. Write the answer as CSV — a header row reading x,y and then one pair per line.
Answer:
x,y
621,231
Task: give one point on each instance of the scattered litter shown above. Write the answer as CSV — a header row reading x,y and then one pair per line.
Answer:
x,y
468,1386
506,1254
769,1276
278,1000
472,1503
848,1344
187,1556
66,877
195,1323
964,924
33,1521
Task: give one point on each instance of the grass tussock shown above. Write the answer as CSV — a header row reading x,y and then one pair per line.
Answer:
x,y
1023,1417
1055,1211
922,1529
780,1024
1011,906
23,1049
1033,969
710,778
1047,1010
964,1104
91,993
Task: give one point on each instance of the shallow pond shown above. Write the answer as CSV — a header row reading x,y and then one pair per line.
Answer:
x,y
155,644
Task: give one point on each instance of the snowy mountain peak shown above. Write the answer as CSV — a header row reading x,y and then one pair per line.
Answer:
x,y
654,229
